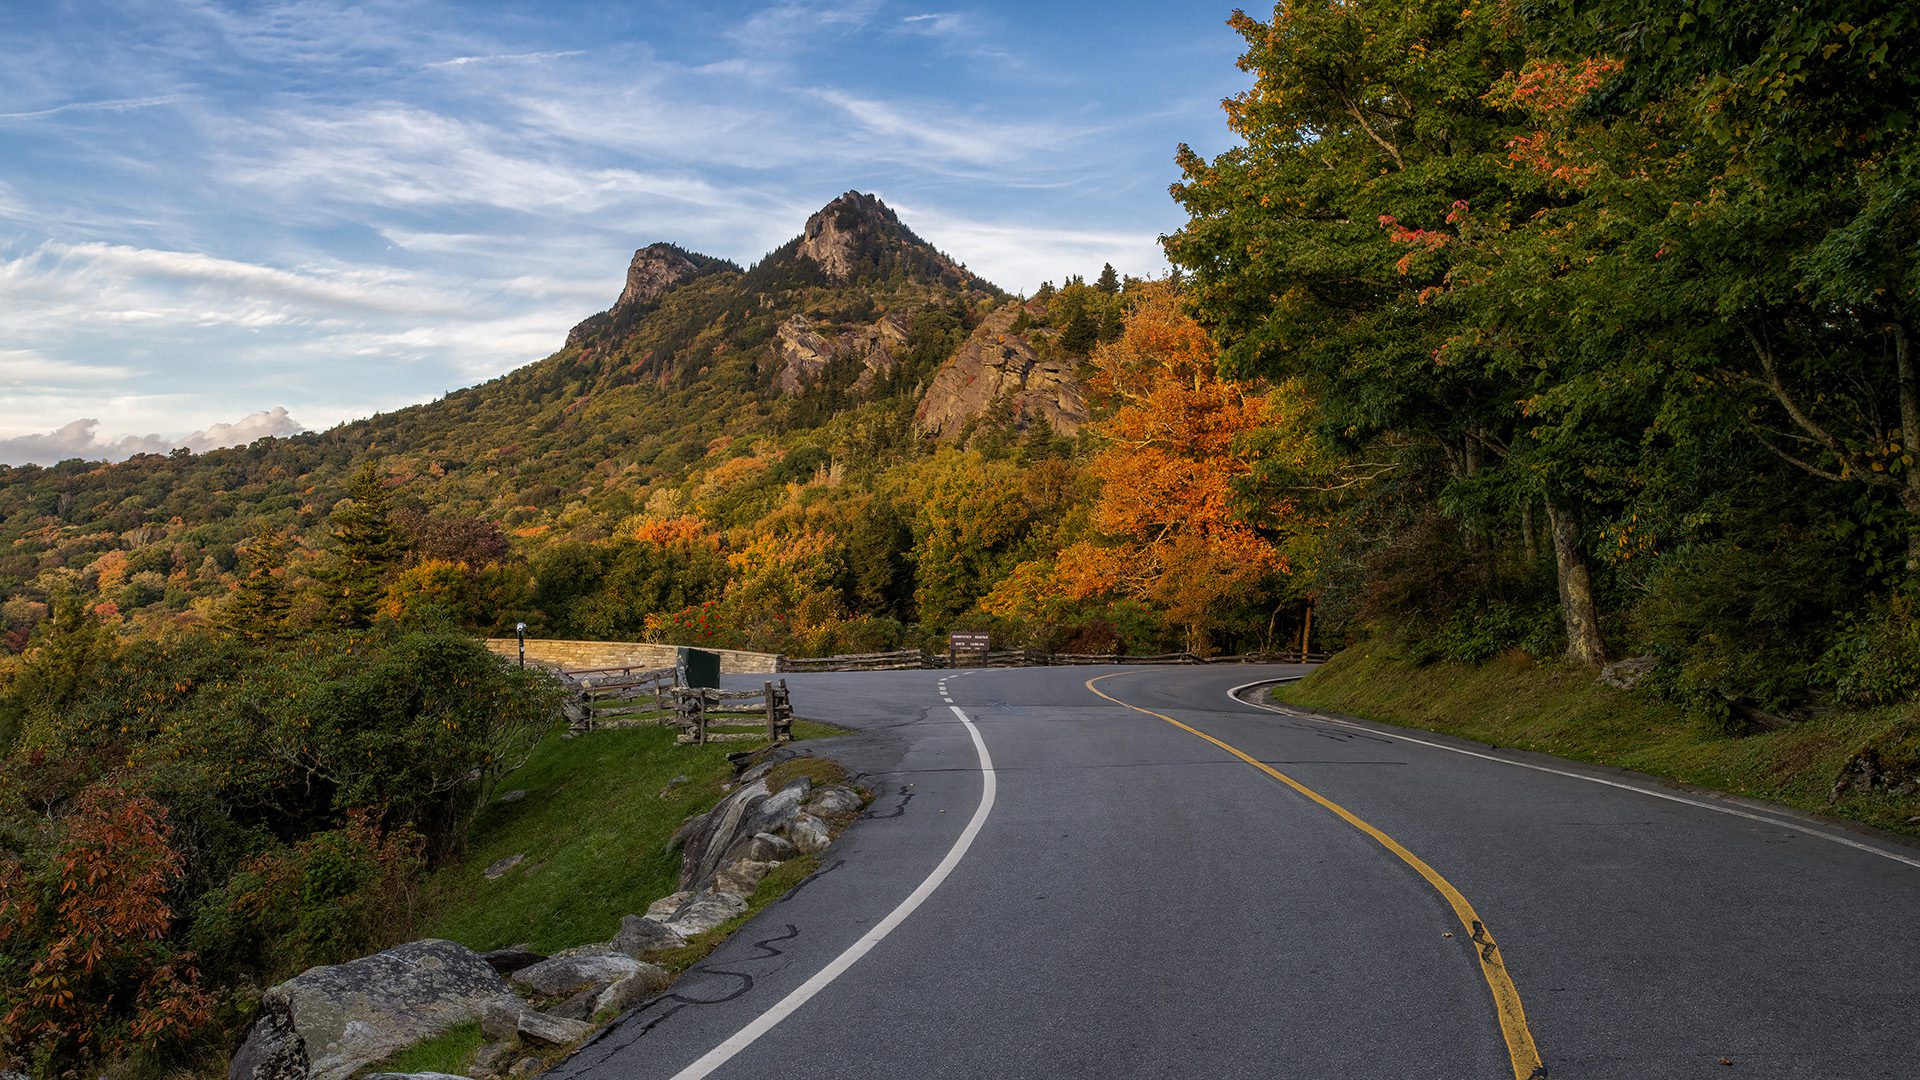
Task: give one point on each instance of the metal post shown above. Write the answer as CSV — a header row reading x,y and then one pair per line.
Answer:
x,y
520,630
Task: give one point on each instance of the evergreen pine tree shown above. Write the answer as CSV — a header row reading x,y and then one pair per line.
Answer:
x,y
1109,282
367,547
257,610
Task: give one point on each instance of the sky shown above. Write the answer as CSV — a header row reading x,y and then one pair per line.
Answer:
x,y
223,220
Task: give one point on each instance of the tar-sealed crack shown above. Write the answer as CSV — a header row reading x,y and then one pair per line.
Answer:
x,y
906,793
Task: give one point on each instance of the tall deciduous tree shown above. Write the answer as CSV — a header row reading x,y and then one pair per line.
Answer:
x,y
1344,243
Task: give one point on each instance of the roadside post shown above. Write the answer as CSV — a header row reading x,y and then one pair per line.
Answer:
x,y
520,631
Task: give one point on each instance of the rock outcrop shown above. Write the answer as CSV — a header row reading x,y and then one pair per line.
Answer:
x,y
805,352
328,1022
655,271
996,365
858,237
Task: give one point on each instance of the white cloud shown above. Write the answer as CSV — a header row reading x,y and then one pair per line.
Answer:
x,y
1020,257
81,439
114,105
507,58
21,369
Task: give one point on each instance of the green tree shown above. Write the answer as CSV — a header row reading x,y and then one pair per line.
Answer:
x,y
258,608
367,549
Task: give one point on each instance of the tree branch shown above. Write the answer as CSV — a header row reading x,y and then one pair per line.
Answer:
x,y
1352,107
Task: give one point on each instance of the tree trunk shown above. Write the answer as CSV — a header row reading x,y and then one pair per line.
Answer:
x,y
1527,542
1577,607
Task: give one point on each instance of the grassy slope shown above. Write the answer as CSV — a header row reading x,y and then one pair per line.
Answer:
x,y
593,826
1513,701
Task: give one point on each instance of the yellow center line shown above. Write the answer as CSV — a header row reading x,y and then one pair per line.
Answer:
x,y
1506,999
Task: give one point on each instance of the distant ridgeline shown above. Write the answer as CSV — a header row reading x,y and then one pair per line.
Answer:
x,y
839,448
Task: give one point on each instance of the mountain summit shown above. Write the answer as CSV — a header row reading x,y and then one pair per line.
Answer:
x,y
856,237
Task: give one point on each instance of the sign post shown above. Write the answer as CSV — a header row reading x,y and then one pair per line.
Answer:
x,y
967,642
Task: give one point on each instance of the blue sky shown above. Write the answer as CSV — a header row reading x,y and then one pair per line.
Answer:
x,y
220,220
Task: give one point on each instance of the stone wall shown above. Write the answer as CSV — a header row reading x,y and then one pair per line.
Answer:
x,y
574,655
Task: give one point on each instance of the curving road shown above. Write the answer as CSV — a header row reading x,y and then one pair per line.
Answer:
x,y
1144,877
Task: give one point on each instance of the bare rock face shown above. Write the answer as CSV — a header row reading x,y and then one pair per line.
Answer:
x,y
655,270
327,1022
996,363
857,236
805,352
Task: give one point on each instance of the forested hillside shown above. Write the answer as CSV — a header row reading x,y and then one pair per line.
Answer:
x,y
845,446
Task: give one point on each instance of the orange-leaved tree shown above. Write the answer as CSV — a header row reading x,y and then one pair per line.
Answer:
x,y
1173,522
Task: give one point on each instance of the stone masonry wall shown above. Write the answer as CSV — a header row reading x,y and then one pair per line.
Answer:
x,y
575,655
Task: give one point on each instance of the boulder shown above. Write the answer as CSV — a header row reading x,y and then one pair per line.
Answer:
x,y
327,1022
705,911
639,936
835,803
809,833
665,908
499,869
773,813
1629,673
569,974
542,1028
500,1020
741,877
493,1057
768,848
704,840
631,991
580,1005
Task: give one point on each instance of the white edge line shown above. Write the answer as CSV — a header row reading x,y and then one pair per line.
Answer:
x,y
785,1007
1750,816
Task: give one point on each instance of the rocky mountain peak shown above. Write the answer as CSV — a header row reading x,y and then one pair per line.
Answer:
x,y
656,269
857,236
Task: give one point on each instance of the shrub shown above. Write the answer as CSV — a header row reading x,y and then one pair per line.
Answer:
x,y
1875,660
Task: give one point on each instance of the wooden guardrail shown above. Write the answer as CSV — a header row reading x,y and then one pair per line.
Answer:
x,y
707,715
620,697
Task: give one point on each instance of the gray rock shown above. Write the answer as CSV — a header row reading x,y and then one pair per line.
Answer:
x,y
667,906
773,813
498,869
415,1076
833,801
508,961
1629,673
598,948
705,911
580,1005
526,1066
704,840
639,936
500,1020
327,1022
539,1027
493,1057
568,974
671,784
631,991
741,877
809,833
766,847
513,796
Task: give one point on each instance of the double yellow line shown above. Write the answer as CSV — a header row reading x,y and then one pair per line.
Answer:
x,y
1506,999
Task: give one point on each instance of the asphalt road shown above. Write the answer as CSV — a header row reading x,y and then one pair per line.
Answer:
x,y
1138,901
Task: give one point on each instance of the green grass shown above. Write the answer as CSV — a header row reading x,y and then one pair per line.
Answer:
x,y
594,829
447,1053
1514,701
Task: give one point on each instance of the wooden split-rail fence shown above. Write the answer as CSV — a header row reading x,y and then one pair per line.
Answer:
x,y
707,715
911,659
632,697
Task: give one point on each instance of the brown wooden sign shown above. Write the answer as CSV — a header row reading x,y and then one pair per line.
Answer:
x,y
969,642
